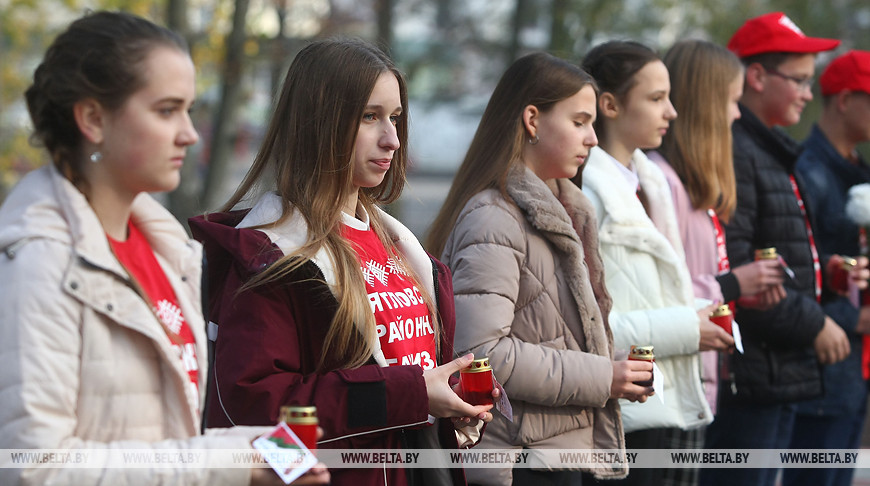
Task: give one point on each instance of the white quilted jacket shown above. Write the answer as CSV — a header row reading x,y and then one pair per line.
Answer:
x,y
85,363
649,281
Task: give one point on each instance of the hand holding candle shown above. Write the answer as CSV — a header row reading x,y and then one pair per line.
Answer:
x,y
475,382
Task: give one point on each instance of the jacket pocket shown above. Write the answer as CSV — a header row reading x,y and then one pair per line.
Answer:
x,y
533,422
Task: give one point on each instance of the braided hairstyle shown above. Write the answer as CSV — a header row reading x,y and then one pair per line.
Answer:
x,y
99,57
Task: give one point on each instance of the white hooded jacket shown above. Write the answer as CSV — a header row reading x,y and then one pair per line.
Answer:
x,y
647,277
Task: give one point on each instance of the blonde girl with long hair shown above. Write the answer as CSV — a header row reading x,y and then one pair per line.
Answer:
x,y
695,157
318,296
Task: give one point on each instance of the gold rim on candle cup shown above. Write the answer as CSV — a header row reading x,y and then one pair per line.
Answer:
x,y
849,263
478,366
291,414
641,353
766,253
722,310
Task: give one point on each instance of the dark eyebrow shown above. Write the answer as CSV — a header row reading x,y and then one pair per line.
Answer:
x,y
380,107
584,116
170,99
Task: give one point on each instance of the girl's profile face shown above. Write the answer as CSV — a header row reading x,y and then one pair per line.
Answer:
x,y
144,141
735,91
377,139
565,136
646,110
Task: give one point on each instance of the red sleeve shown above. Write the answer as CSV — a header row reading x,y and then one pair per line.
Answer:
x,y
268,346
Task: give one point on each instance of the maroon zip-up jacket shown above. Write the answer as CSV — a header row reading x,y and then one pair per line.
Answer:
x,y
270,341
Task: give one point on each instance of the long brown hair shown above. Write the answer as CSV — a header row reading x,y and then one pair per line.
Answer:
x,y
538,79
698,145
307,155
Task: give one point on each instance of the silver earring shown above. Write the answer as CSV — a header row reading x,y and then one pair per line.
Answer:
x,y
96,156
534,141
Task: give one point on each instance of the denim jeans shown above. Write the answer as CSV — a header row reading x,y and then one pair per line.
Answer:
x,y
824,432
743,427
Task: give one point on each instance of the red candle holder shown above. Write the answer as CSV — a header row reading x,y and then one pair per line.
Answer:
x,y
642,353
840,275
303,422
475,382
723,318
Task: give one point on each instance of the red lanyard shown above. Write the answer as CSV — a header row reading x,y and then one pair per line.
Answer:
x,y
862,301
817,266
721,250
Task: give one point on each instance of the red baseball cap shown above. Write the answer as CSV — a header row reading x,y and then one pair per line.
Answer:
x,y
775,32
850,71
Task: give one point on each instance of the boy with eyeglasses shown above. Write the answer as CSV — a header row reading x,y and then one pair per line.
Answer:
x,y
830,166
785,345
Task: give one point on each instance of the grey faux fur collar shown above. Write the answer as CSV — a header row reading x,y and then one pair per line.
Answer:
x,y
563,214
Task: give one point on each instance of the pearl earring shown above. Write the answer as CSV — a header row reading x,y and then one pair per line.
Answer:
x,y
96,156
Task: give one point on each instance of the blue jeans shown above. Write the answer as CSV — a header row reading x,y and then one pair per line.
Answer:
x,y
742,427
825,432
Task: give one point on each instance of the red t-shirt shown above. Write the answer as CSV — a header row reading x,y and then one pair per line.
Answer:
x,y
405,331
137,257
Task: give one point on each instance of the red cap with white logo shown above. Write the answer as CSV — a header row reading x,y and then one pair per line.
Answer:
x,y
775,32
850,71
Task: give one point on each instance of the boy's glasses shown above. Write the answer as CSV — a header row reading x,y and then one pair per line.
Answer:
x,y
801,83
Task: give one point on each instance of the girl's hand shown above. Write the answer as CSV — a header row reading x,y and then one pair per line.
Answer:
x,y
443,401
318,474
625,373
713,337
461,422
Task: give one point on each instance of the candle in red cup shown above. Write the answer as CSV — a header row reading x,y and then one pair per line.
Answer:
x,y
723,317
476,382
642,353
840,276
303,422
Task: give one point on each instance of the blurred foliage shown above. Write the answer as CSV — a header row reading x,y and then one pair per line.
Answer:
x,y
451,50
26,29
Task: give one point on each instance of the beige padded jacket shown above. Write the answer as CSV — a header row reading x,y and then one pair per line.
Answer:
x,y
530,295
86,364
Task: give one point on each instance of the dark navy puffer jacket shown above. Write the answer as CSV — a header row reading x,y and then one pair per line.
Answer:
x,y
780,363
828,179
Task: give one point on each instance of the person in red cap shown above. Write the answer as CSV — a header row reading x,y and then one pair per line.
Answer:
x,y
830,166
784,345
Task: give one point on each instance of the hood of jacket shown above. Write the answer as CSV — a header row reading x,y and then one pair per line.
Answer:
x,y
625,222
115,340
219,234
47,205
